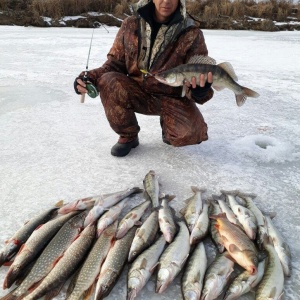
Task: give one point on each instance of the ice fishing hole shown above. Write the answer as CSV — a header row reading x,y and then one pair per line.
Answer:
x,y
263,144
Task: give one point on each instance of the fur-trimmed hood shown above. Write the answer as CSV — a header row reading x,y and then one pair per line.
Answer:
x,y
134,7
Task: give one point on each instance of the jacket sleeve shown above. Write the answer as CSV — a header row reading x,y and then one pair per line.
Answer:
x,y
115,58
199,48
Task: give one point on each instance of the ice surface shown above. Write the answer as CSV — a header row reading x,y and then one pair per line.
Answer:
x,y
53,147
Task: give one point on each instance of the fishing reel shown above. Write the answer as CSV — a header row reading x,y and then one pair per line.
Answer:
x,y
91,89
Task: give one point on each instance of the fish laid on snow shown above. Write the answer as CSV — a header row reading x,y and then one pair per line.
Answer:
x,y
173,258
166,220
244,215
261,228
281,247
144,236
21,236
143,267
50,255
201,227
193,207
113,265
67,265
223,76
217,276
110,216
193,276
245,282
271,285
106,202
92,265
151,186
33,246
237,243
132,218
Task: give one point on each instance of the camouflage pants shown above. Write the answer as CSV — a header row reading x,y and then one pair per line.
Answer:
x,y
182,122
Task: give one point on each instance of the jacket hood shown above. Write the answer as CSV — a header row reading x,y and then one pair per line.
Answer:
x,y
134,7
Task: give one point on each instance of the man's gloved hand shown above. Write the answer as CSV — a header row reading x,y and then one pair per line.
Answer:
x,y
200,92
80,84
76,84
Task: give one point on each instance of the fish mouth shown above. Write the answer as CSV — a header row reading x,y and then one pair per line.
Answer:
x,y
131,294
161,286
252,270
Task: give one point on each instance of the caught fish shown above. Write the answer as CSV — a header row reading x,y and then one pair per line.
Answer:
x,y
144,236
223,76
92,265
215,235
173,258
280,246
33,246
143,267
50,255
193,207
66,265
245,216
132,218
237,243
106,202
21,236
166,221
271,285
244,283
217,276
113,265
201,228
110,216
193,276
261,229
151,186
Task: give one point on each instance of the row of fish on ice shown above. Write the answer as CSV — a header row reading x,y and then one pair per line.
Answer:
x,y
54,244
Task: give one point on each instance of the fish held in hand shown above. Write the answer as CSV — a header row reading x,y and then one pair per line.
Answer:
x,y
223,76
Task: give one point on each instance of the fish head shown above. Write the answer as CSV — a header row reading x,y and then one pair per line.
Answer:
x,y
169,78
235,290
132,254
164,278
251,262
72,206
93,215
135,284
192,292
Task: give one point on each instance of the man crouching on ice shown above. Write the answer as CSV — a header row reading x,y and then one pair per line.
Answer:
x,y
159,37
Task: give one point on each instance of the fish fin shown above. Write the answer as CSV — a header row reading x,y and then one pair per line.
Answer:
x,y
183,262
170,197
234,248
227,67
281,296
88,293
183,92
240,99
201,59
34,286
138,223
54,292
59,203
195,189
224,238
218,88
8,263
227,255
56,261
221,215
153,268
143,264
272,293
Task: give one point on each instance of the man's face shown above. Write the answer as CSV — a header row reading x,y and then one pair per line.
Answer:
x,y
164,9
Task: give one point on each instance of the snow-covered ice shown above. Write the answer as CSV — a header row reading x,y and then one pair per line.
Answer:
x,y
53,147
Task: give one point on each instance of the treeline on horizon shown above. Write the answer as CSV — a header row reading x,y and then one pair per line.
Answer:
x,y
203,10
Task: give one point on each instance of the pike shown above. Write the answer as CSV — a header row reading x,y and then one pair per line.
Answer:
x,y
143,267
166,221
91,268
132,218
280,246
22,235
237,243
193,207
113,265
50,255
144,236
33,246
217,276
223,76
173,258
66,266
151,186
103,203
271,285
201,228
193,276
245,282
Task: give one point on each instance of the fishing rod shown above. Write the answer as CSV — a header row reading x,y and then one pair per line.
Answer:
x,y
91,89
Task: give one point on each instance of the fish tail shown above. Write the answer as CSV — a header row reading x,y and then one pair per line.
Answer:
x,y
246,92
10,278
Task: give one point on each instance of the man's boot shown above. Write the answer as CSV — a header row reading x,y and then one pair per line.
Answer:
x,y
124,146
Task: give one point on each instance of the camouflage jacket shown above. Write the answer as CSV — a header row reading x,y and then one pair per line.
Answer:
x,y
175,44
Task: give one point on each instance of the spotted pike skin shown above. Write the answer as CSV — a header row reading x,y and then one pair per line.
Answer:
x,y
54,250
66,265
21,236
36,242
113,265
91,267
